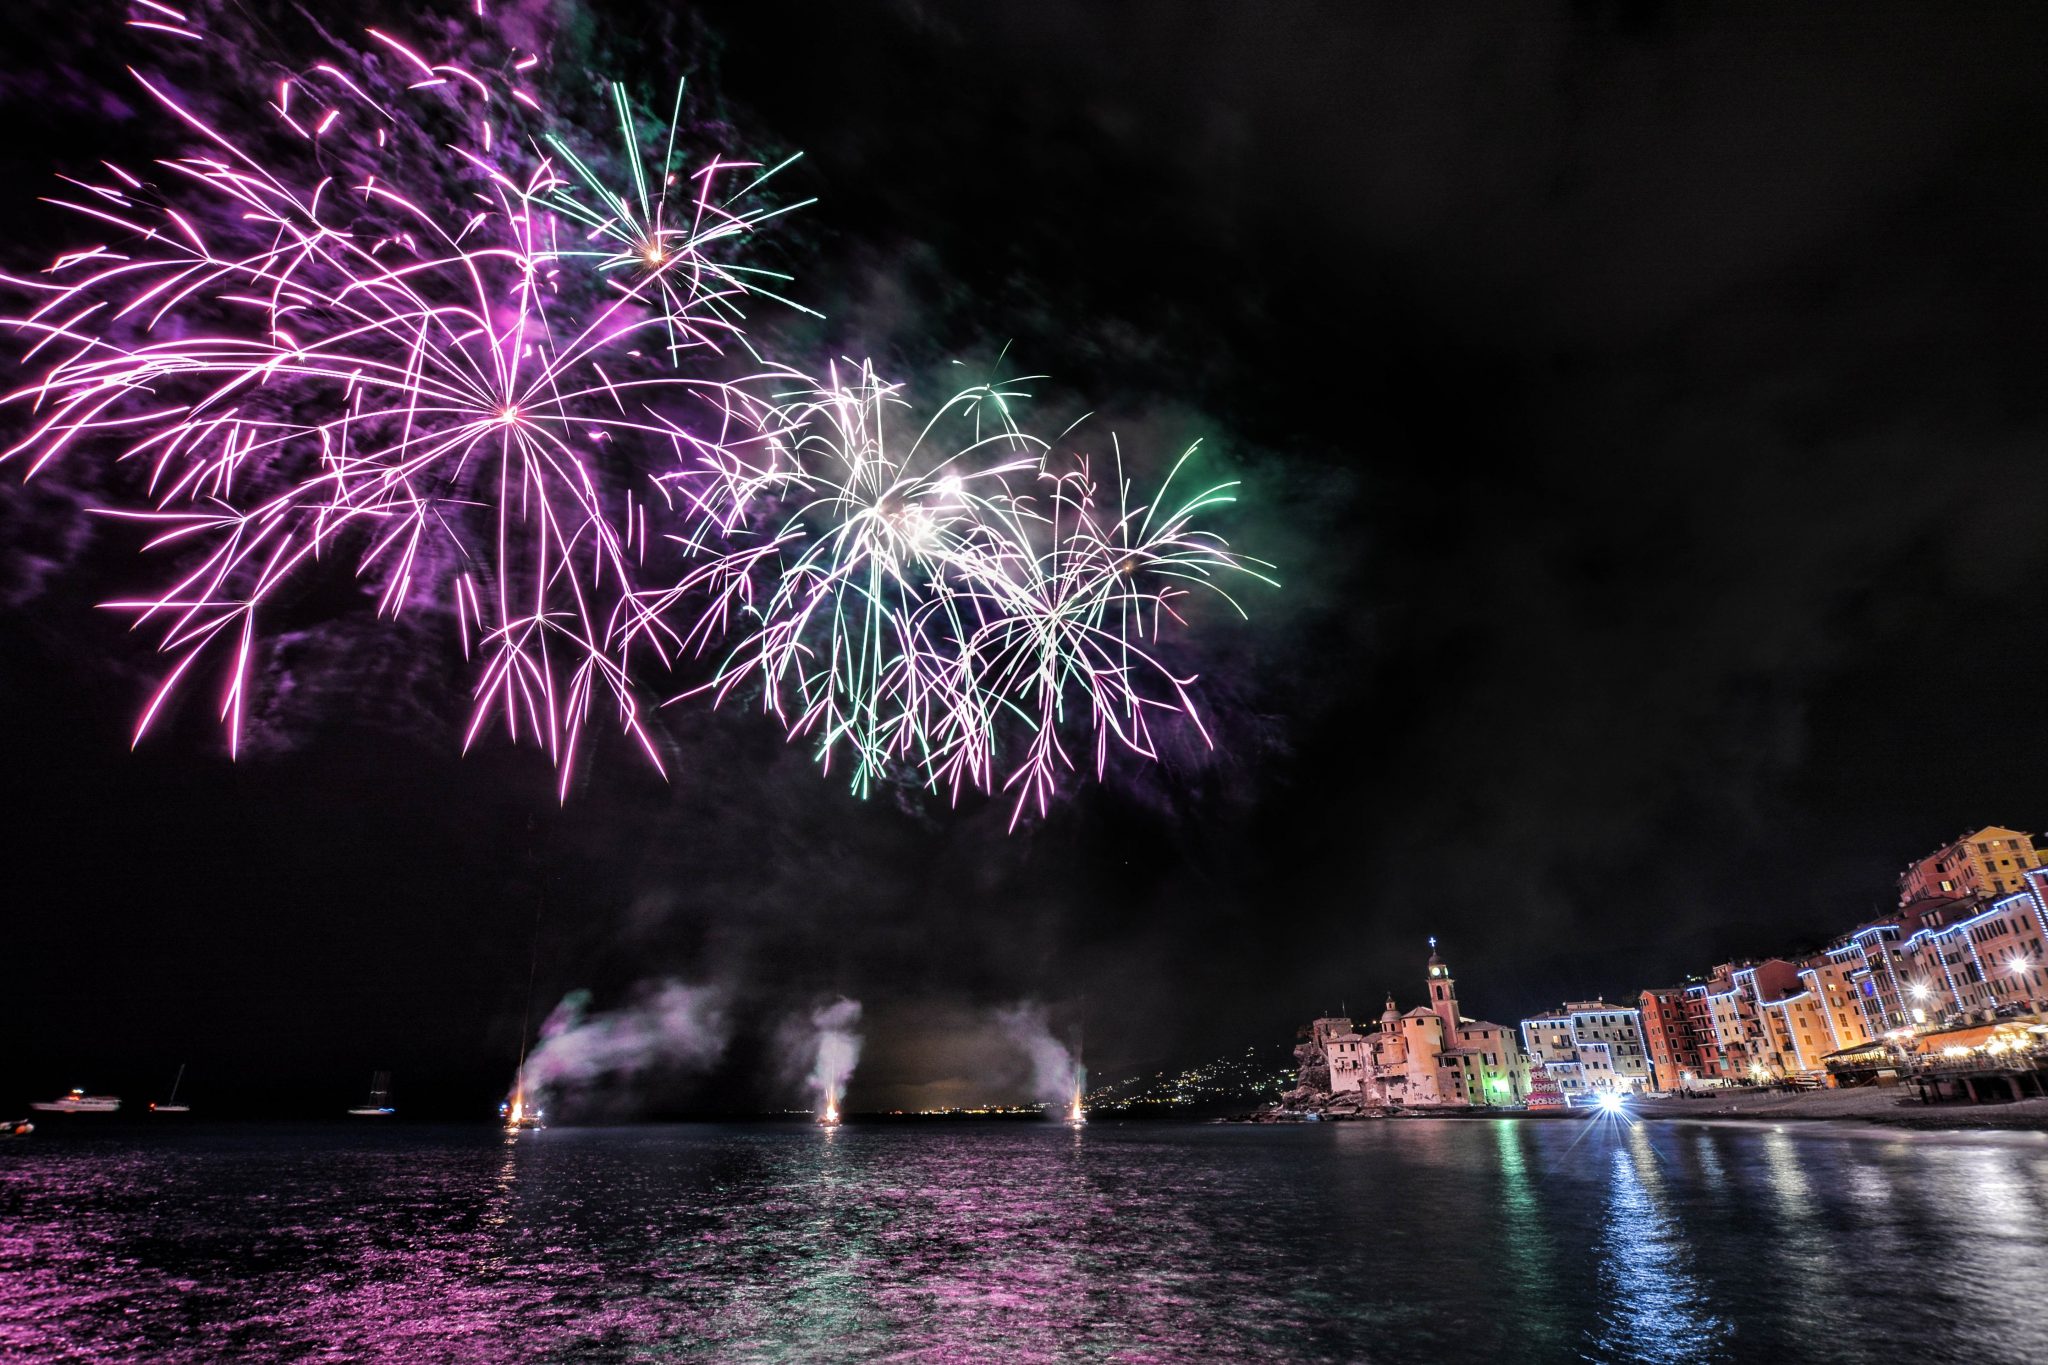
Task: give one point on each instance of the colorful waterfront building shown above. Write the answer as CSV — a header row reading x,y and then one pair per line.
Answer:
x,y
1795,1033
1699,1025
1772,1021
1970,939
1590,1048
1481,1059
1345,1049
1936,959
1992,862
1975,955
1742,1047
1872,956
1675,1057
1431,1055
1839,994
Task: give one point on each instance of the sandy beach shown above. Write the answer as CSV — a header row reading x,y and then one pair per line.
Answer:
x,y
1897,1107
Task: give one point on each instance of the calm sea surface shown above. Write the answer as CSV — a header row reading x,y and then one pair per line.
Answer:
x,y
1469,1240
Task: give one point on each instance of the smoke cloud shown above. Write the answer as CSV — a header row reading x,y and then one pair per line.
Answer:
x,y
672,1026
1057,1075
830,1047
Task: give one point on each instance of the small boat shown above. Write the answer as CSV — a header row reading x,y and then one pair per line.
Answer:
x,y
171,1105
78,1102
379,1105
515,1113
11,1129
517,1117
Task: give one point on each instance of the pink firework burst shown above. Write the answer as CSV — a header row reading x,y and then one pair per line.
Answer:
x,y
374,338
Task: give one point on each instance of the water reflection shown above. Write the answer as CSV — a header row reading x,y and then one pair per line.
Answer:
x,y
1655,1308
1527,1240
1539,1240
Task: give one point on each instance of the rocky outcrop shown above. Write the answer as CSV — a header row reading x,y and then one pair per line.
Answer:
x,y
1311,1097
1311,1069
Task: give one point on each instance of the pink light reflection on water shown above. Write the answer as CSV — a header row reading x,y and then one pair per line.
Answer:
x,y
1012,1242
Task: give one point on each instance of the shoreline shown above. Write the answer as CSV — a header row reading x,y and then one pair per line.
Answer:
x,y
1891,1109
1886,1108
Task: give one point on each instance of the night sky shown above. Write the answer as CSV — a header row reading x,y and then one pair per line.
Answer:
x,y
1643,404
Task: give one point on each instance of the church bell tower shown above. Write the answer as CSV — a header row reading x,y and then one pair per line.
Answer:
x,y
1443,995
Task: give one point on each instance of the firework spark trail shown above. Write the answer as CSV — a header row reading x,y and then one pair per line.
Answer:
x,y
417,325
639,233
945,609
352,330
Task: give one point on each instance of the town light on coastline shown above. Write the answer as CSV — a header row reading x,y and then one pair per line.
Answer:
x,y
1878,1005
1612,1103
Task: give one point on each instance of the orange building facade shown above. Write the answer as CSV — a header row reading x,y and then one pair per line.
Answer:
x,y
1968,944
1992,862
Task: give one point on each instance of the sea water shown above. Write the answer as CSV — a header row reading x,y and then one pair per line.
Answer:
x,y
1396,1241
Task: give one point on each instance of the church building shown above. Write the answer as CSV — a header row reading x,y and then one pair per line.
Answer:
x,y
1431,1055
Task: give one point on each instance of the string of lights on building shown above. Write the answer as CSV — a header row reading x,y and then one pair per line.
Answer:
x,y
1951,985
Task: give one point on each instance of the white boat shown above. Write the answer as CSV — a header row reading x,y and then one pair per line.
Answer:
x,y
78,1102
171,1105
14,1129
379,1106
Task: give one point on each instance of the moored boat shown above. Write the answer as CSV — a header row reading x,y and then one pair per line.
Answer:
x,y
379,1105
515,1113
78,1102
516,1117
171,1105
